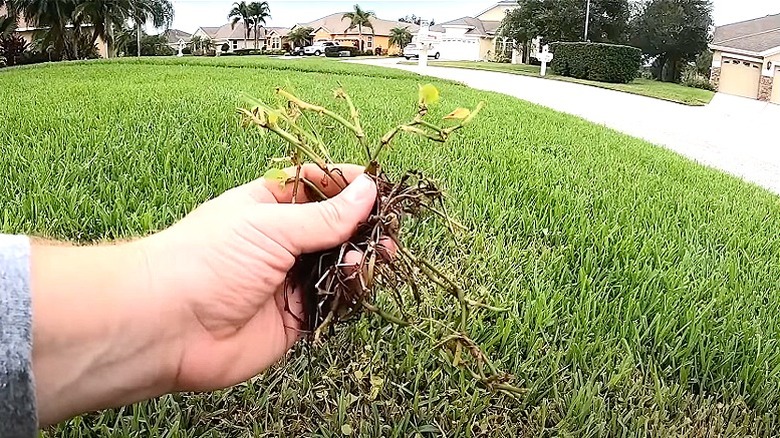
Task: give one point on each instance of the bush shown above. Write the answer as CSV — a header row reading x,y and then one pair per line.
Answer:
x,y
12,48
596,61
336,51
692,78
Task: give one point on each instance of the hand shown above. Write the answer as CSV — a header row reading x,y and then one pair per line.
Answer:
x,y
198,306
224,268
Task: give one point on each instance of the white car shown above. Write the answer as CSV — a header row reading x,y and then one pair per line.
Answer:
x,y
412,50
318,48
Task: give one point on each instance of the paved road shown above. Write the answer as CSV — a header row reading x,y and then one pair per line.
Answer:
x,y
731,134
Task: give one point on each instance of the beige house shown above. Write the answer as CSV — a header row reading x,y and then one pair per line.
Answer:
x,y
473,38
270,38
335,27
746,58
29,33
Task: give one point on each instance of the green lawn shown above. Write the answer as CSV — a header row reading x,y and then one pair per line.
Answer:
x,y
642,286
645,87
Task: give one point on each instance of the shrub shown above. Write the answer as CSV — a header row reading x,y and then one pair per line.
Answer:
x,y
596,61
336,51
692,78
12,48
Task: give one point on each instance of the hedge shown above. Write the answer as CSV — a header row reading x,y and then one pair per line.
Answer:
x,y
596,61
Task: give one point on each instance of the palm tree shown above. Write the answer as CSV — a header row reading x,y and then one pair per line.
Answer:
x,y
206,44
400,36
300,36
259,12
105,16
159,12
241,12
55,15
360,18
8,23
195,44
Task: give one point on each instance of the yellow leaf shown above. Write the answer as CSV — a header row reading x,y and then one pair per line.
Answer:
x,y
346,429
273,118
428,94
277,175
458,114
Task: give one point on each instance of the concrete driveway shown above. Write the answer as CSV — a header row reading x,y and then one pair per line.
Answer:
x,y
729,134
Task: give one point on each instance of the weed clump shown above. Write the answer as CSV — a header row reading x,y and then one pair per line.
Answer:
x,y
344,282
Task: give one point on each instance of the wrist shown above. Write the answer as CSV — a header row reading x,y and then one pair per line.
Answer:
x,y
99,329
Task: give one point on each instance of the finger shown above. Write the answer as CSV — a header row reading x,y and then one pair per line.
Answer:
x,y
317,226
328,185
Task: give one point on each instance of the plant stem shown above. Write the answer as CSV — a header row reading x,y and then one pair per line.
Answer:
x,y
318,109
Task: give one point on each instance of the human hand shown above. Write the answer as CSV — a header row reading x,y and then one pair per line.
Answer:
x,y
222,270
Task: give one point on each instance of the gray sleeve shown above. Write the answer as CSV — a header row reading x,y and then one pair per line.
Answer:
x,y
17,392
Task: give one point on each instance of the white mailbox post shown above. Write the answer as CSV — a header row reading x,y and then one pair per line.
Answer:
x,y
545,56
181,48
425,41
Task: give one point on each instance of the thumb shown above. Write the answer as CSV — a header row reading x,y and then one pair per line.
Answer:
x,y
317,226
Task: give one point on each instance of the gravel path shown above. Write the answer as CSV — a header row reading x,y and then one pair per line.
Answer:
x,y
731,134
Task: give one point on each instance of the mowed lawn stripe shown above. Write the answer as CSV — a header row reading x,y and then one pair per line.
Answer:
x,y
641,286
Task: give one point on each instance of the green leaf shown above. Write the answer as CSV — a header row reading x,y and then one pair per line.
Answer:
x,y
277,175
428,94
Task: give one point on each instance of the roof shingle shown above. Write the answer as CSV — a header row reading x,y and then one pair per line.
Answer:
x,y
757,35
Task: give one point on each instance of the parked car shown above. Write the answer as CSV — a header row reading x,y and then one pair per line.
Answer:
x,y
342,51
298,51
413,51
318,48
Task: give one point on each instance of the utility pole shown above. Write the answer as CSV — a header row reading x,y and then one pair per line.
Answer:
x,y
587,20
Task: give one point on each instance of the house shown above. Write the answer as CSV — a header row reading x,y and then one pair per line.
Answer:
x,y
335,27
176,38
473,38
32,33
270,38
746,58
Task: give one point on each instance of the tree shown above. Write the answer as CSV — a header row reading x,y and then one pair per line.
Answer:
x,y
104,17
414,20
400,36
258,12
159,12
564,20
672,32
195,42
300,36
241,13
8,23
360,18
53,15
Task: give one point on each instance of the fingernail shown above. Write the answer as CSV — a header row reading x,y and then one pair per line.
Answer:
x,y
360,189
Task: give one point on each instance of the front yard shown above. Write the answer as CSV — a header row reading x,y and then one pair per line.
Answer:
x,y
642,287
645,87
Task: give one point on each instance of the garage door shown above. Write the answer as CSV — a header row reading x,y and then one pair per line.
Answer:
x,y
776,87
459,49
740,77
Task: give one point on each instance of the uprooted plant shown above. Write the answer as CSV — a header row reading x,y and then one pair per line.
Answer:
x,y
335,290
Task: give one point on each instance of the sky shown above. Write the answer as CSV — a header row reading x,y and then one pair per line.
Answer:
x,y
191,14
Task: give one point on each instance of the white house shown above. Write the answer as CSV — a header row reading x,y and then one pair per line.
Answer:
x,y
472,38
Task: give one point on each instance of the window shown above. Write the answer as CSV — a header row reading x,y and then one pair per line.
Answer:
x,y
234,44
370,42
276,43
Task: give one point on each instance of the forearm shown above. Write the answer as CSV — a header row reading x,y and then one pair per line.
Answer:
x,y
98,332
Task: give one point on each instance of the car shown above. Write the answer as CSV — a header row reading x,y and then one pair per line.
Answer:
x,y
318,48
413,51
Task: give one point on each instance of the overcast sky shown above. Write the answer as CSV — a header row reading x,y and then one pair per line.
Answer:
x,y
191,14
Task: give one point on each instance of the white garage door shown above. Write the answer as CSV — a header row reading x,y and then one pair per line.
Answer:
x,y
740,77
776,86
459,49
